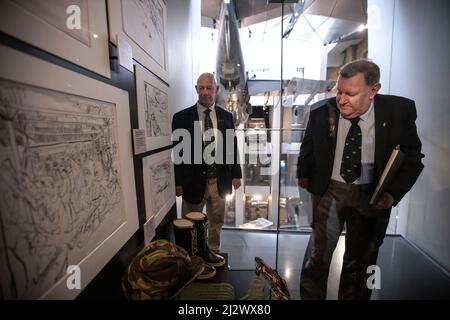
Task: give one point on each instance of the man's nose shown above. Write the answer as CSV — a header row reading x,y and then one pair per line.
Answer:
x,y
343,98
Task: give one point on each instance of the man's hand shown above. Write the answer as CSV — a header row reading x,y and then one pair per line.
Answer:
x,y
178,190
385,202
303,182
236,183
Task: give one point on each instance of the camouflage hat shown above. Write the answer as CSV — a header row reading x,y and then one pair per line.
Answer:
x,y
160,271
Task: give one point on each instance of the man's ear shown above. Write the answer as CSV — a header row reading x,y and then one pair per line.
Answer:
x,y
375,90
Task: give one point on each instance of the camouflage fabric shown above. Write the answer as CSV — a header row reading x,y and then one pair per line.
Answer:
x,y
207,291
160,271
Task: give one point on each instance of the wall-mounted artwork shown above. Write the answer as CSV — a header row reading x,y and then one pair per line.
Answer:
x,y
75,30
143,24
67,190
153,111
159,185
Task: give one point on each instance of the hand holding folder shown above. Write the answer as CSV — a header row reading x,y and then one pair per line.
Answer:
x,y
389,172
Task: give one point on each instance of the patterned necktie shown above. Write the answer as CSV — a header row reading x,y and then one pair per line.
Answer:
x,y
210,168
351,157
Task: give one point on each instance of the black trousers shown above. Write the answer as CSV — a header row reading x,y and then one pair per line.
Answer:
x,y
364,235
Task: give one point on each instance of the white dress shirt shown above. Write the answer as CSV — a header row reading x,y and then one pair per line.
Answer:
x,y
201,115
367,125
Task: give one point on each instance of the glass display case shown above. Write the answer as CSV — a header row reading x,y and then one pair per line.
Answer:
x,y
291,61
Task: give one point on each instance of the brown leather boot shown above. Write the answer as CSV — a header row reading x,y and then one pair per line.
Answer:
x,y
201,225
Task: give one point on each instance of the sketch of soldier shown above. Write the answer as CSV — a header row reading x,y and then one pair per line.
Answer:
x,y
156,129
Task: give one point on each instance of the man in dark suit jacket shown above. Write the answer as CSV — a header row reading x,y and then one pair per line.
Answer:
x,y
209,166
341,193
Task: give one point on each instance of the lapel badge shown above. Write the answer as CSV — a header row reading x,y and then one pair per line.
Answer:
x,y
384,124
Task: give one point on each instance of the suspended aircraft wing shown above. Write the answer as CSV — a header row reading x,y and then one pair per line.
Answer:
x,y
327,20
299,86
248,12
260,87
307,86
253,11
295,87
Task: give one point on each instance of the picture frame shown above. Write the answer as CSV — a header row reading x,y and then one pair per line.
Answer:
x,y
75,30
143,24
67,191
153,109
159,185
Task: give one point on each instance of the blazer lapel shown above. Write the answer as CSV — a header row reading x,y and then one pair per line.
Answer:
x,y
220,120
193,126
381,136
332,125
194,113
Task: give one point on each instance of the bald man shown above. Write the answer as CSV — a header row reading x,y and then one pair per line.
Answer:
x,y
207,179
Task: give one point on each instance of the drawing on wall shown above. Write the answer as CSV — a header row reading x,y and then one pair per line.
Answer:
x,y
60,183
77,35
143,24
153,113
159,185
156,112
54,13
63,180
143,21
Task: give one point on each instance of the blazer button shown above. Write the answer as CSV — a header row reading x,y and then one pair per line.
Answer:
x,y
204,172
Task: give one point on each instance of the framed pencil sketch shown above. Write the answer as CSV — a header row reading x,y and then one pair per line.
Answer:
x,y
143,24
75,30
153,111
159,185
67,191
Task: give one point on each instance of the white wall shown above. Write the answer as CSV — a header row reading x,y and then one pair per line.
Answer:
x,y
183,24
419,69
380,15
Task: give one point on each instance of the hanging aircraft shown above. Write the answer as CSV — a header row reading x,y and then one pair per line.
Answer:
x,y
230,69
235,87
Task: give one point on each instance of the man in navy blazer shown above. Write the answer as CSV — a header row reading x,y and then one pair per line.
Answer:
x,y
194,181
384,121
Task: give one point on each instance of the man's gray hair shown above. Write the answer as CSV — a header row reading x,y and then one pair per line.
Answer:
x,y
370,70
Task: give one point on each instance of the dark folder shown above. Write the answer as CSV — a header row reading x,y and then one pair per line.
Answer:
x,y
391,169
